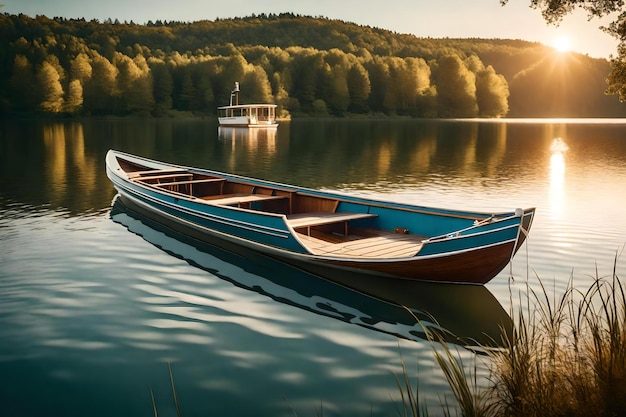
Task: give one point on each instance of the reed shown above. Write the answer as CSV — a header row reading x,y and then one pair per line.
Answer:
x,y
410,398
174,393
565,356
472,399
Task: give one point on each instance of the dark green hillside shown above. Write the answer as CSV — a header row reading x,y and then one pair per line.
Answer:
x,y
309,66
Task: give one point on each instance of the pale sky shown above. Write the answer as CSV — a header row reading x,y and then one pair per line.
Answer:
x,y
424,18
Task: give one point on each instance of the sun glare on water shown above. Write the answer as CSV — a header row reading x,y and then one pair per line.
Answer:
x,y
562,44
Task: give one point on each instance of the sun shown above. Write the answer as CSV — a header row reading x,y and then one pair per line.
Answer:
x,y
562,44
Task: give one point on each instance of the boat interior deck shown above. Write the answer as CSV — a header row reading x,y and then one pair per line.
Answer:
x,y
318,224
363,243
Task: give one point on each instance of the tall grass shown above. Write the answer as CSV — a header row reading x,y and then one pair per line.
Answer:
x,y
565,356
174,393
567,359
412,406
472,400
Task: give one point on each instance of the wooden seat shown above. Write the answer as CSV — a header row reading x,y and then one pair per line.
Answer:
x,y
309,220
165,176
238,199
188,185
143,174
200,181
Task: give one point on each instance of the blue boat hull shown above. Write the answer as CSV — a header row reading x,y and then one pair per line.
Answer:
x,y
457,246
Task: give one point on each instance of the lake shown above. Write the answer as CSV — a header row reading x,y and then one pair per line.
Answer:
x,y
95,301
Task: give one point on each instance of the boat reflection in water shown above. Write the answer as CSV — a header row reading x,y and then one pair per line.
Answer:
x,y
253,138
466,315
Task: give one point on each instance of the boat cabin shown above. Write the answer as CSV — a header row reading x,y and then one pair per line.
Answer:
x,y
247,115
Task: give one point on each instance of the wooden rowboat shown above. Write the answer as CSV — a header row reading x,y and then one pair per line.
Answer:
x,y
318,230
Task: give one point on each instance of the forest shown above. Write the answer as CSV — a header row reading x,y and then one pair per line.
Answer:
x,y
309,66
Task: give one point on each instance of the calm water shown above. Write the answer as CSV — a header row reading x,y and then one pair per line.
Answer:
x,y
96,301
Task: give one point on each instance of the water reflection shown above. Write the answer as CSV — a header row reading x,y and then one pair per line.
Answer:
x,y
61,163
465,315
53,165
250,138
248,147
557,176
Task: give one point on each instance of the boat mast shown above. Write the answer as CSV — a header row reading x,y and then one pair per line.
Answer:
x,y
235,93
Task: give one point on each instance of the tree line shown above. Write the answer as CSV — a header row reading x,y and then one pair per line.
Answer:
x,y
308,66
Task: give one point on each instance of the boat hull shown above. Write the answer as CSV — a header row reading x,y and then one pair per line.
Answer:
x,y
245,122
476,266
472,258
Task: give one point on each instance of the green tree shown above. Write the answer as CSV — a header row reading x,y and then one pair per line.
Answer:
x,y
100,92
257,85
22,93
410,78
234,69
104,43
204,98
492,93
319,108
306,71
186,96
135,84
74,100
456,88
426,103
80,68
399,96
359,88
163,86
474,64
281,95
380,79
334,82
563,86
50,89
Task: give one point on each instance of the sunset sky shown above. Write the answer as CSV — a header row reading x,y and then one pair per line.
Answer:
x,y
425,18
